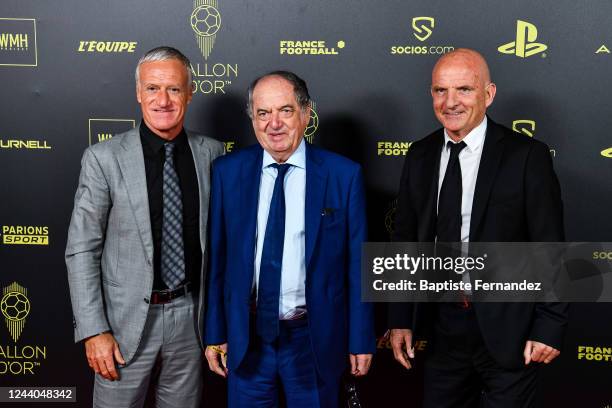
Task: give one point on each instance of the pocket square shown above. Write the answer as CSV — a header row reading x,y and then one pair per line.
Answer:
x,y
327,211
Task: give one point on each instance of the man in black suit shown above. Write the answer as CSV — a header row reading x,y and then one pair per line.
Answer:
x,y
475,180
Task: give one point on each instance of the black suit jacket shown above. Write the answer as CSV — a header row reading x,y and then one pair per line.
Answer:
x,y
517,199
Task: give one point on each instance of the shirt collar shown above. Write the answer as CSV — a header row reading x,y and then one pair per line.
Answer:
x,y
297,158
156,143
474,139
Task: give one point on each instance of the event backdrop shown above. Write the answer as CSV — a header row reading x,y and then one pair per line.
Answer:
x,y
67,80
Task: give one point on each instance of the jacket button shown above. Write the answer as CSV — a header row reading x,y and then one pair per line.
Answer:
x,y
146,300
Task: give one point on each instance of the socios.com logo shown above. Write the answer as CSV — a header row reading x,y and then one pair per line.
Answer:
x,y
205,22
524,45
423,27
607,153
524,126
15,307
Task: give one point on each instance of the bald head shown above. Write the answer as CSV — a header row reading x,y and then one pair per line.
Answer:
x,y
462,91
467,57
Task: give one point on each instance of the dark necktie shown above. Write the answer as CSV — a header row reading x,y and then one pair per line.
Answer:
x,y
448,226
271,261
172,251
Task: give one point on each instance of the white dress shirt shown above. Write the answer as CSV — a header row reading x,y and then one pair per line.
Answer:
x,y
469,160
292,298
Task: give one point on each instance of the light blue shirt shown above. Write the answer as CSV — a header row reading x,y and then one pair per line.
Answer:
x,y
293,271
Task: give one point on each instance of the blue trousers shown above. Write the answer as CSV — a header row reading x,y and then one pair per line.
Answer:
x,y
286,365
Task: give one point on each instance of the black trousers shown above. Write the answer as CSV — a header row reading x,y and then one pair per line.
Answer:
x,y
460,372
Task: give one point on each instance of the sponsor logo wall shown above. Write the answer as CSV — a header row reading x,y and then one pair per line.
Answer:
x,y
423,28
18,47
18,359
215,77
525,44
68,83
103,129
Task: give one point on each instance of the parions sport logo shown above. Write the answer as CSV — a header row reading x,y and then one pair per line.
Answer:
x,y
18,47
524,44
17,359
25,235
206,23
422,30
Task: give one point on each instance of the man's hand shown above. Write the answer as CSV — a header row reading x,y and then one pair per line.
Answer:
x,y
360,364
102,351
401,343
539,352
217,359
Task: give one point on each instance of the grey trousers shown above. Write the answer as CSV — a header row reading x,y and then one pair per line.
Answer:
x,y
169,340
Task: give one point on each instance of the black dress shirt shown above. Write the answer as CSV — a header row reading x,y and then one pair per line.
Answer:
x,y
154,156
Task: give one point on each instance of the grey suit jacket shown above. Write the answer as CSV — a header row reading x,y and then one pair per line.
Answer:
x,y
109,253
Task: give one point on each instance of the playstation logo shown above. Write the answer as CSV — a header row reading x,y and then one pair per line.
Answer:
x,y
524,46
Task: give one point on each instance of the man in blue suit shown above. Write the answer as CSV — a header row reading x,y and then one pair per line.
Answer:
x,y
287,224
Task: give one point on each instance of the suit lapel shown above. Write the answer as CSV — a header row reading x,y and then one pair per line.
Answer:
x,y
431,170
487,171
131,163
201,156
250,177
316,185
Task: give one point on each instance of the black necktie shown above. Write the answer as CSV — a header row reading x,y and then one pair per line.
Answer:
x,y
268,288
448,226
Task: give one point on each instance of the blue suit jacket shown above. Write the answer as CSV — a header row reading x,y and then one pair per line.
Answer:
x,y
335,227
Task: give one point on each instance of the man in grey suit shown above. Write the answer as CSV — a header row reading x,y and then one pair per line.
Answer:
x,y
136,251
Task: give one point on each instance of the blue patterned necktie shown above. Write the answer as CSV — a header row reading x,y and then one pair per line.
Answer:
x,y
268,291
172,251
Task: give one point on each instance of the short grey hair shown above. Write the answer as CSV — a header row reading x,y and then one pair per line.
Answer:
x,y
163,54
300,89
